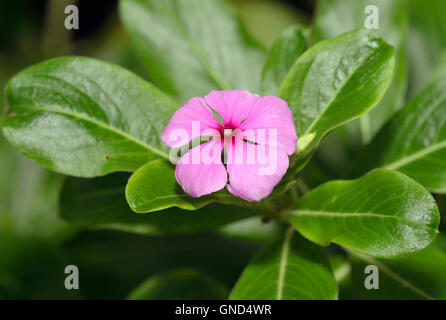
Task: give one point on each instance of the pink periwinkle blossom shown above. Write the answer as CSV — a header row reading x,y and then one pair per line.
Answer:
x,y
257,137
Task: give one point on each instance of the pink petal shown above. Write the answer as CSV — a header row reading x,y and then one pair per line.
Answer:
x,y
272,113
246,178
232,105
192,120
200,171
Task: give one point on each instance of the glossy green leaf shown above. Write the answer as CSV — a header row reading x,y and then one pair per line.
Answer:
x,y
334,17
153,187
290,269
192,47
100,204
284,52
418,276
414,142
83,117
336,81
185,284
383,214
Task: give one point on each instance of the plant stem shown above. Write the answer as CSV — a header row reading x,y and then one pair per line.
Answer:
x,y
302,186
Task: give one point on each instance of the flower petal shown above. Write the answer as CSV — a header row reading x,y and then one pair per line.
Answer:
x,y
272,113
200,171
232,105
192,120
254,170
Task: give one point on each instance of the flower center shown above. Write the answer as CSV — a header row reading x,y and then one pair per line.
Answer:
x,y
228,131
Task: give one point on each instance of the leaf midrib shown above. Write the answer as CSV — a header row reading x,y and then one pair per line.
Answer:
x,y
415,156
283,262
329,103
353,214
100,124
392,274
213,72
171,196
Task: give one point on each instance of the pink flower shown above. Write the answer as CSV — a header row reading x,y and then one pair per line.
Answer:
x,y
257,135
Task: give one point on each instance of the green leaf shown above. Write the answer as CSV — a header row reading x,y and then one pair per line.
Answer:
x,y
426,41
153,187
266,19
100,204
192,47
334,17
289,269
342,268
336,81
383,214
440,69
185,284
29,197
83,117
419,276
284,52
34,203
414,142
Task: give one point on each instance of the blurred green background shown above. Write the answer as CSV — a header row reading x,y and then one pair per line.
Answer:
x,y
36,243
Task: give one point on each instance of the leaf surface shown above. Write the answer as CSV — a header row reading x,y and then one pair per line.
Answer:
x,y
334,17
153,187
290,269
284,52
414,142
84,117
192,47
383,214
419,276
335,82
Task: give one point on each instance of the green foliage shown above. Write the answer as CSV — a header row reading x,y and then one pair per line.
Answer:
x,y
426,41
153,187
373,215
289,269
29,198
414,142
255,13
90,119
290,45
253,229
191,47
84,117
418,276
393,25
100,204
336,81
